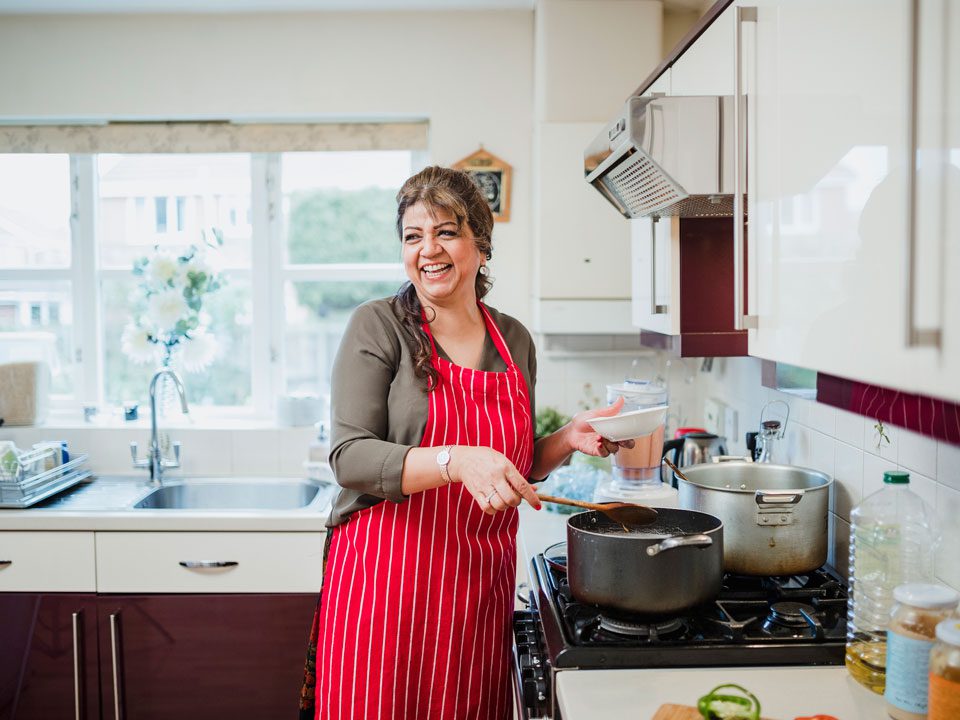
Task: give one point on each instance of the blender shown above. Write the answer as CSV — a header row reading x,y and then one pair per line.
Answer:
x,y
635,472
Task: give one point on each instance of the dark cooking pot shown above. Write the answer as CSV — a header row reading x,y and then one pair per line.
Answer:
x,y
668,566
775,515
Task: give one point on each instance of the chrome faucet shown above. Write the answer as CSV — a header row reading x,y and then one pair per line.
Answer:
x,y
155,460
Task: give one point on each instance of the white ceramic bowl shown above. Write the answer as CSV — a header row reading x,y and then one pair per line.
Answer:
x,y
629,425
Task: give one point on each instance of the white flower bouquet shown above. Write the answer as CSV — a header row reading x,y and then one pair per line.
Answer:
x,y
169,324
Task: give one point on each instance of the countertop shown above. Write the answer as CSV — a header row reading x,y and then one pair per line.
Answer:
x,y
784,693
105,505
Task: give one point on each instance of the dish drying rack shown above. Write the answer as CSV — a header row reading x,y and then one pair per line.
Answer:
x,y
32,479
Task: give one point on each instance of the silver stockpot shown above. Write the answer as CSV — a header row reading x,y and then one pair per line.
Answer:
x,y
774,516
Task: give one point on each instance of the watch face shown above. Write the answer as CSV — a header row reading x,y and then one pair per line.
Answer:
x,y
443,457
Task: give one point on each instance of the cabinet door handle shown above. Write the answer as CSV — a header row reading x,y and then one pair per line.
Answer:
x,y
116,663
208,563
741,320
78,686
5,563
654,308
915,337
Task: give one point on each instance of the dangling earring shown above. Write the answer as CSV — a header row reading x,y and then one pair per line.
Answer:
x,y
484,270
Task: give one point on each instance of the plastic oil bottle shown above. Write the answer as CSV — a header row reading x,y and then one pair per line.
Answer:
x,y
892,542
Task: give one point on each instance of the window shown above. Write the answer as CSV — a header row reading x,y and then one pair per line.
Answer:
x,y
307,236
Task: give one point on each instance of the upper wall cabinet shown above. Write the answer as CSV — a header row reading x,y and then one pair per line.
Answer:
x,y
853,158
707,66
583,244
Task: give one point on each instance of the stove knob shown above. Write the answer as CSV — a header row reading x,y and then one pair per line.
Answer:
x,y
532,692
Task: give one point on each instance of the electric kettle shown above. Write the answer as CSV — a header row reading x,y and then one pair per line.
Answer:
x,y
695,448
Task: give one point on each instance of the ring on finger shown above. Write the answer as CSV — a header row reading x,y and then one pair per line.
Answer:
x,y
491,496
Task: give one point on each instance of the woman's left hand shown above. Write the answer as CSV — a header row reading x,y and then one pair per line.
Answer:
x,y
584,438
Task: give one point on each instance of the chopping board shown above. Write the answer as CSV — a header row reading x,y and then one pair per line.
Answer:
x,y
679,712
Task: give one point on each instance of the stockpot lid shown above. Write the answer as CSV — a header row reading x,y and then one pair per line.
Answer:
x,y
748,477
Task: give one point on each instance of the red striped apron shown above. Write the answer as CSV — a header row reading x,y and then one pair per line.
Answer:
x,y
415,621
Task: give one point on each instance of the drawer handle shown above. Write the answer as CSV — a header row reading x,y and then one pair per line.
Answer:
x,y
5,563
208,563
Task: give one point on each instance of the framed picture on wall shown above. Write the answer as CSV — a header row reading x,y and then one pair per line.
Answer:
x,y
492,176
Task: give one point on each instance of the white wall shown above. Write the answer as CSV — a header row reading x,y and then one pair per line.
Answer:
x,y
469,73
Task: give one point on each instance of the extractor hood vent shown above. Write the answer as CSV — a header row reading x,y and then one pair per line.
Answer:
x,y
666,157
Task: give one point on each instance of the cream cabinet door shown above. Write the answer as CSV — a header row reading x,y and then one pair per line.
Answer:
x,y
220,562
47,562
829,103
583,243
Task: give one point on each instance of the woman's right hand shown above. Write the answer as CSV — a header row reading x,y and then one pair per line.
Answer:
x,y
491,478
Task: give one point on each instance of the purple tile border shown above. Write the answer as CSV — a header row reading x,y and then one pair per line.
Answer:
x,y
925,415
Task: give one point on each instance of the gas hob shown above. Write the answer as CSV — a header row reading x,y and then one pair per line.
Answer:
x,y
794,620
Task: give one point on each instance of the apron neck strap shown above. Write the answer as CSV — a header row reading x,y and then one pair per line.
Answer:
x,y
498,341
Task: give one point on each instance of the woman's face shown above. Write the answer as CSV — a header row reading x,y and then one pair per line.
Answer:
x,y
440,259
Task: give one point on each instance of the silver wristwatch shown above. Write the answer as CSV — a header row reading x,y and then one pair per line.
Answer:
x,y
443,460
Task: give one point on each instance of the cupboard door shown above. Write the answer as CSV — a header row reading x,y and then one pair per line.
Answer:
x,y
655,262
48,657
829,105
706,67
203,656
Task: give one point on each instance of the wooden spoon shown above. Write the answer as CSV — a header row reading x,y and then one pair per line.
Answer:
x,y
624,514
675,469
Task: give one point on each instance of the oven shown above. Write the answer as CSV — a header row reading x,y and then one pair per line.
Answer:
x,y
793,620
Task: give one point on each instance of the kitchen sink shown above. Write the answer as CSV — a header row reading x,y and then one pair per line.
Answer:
x,y
230,494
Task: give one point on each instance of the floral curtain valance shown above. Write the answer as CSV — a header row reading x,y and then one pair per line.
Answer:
x,y
211,137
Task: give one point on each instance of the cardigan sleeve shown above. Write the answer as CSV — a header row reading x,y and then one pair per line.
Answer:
x,y
362,458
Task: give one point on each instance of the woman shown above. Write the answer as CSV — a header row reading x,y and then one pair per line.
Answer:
x,y
432,445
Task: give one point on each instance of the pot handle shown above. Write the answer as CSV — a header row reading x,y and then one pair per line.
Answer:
x,y
731,458
778,498
679,541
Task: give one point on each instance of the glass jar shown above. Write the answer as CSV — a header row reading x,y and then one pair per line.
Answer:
x,y
944,697
919,608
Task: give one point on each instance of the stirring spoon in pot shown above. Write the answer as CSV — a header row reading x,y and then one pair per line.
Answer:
x,y
675,469
624,514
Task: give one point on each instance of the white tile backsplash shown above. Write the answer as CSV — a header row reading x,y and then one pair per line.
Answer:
x,y
948,514
917,453
847,478
948,465
845,445
257,452
850,428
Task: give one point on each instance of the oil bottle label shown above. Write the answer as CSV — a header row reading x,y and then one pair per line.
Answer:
x,y
908,663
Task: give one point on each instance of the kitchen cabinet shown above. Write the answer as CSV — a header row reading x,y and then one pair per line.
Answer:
x,y
707,66
154,624
210,656
845,258
689,302
583,277
682,268
48,656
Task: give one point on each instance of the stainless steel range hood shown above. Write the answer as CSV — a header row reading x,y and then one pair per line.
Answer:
x,y
666,156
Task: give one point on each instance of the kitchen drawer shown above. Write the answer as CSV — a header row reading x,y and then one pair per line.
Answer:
x,y
47,562
260,562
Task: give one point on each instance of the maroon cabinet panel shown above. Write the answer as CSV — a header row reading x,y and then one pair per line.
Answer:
x,y
203,656
48,656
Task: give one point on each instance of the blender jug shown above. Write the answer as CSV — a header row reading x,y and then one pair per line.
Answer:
x,y
636,471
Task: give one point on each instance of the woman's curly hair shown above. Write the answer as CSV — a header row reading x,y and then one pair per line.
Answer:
x,y
440,188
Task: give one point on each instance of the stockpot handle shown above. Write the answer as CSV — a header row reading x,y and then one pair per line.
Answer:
x,y
679,541
731,458
774,497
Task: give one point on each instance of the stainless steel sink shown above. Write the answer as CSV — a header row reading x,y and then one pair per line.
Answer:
x,y
231,494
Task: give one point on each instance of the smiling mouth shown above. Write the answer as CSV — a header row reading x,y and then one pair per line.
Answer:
x,y
435,270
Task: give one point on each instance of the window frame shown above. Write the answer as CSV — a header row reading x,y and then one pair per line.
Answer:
x,y
267,361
